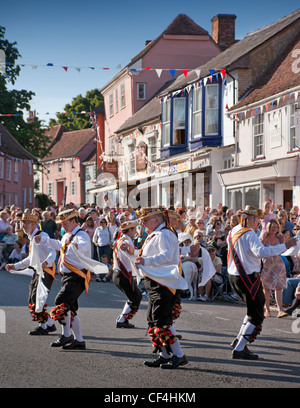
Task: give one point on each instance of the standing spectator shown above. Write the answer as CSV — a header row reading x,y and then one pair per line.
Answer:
x,y
49,225
4,223
89,227
111,221
273,274
103,239
268,215
81,215
94,214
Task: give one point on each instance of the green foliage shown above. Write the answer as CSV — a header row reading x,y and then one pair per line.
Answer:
x,y
75,121
30,135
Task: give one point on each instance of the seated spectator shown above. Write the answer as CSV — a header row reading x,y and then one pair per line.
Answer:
x,y
191,226
205,291
107,277
215,233
16,254
8,241
295,304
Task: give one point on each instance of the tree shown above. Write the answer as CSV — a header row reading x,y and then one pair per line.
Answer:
x,y
30,135
74,119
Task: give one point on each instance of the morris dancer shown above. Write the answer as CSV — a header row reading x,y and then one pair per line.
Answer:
x,y
75,278
47,258
123,277
159,259
245,251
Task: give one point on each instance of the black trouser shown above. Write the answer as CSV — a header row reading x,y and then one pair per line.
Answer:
x,y
255,307
47,281
160,305
131,291
72,287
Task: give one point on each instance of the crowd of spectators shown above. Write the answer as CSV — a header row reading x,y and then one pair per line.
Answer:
x,y
196,228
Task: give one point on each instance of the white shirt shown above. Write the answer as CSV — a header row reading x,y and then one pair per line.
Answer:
x,y
161,248
250,250
44,253
121,255
81,239
102,236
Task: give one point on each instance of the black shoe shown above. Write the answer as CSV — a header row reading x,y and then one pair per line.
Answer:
x,y
158,362
235,342
125,325
175,362
75,345
62,341
243,355
39,331
51,328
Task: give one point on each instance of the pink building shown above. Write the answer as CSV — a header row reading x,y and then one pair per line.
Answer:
x,y
182,46
63,171
16,172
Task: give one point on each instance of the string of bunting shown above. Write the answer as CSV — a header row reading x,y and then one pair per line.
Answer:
x,y
48,113
265,107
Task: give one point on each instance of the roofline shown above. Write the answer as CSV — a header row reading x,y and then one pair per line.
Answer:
x,y
261,101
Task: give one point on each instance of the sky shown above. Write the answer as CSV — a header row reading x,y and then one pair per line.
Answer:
x,y
104,34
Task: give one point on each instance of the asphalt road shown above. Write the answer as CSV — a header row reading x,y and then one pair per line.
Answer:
x,y
114,357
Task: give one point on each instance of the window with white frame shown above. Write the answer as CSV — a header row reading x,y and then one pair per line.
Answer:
x,y
152,152
1,167
8,170
141,91
122,96
197,113
258,136
111,145
116,100
30,167
166,122
179,112
212,109
131,167
48,169
59,167
294,143
111,104
50,188
8,199
73,188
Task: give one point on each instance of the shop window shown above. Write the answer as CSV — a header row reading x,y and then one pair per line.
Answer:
x,y
235,199
252,195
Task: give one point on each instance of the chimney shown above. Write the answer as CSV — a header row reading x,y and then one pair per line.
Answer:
x,y
147,42
223,30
